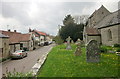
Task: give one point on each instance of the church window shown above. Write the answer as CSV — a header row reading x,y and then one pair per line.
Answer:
x,y
109,35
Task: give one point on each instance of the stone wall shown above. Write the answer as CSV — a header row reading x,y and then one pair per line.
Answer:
x,y
28,45
14,47
17,46
97,16
115,33
97,38
31,45
119,34
4,46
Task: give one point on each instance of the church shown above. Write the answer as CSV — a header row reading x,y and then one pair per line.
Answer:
x,y
103,26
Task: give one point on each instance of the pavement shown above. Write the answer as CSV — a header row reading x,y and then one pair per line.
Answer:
x,y
32,62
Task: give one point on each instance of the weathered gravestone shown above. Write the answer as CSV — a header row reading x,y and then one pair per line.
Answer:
x,y
78,40
78,49
72,41
93,51
68,43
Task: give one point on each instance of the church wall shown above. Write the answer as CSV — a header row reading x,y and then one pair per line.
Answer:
x,y
97,38
115,34
98,16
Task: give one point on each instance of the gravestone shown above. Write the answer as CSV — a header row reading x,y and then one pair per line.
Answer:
x,y
72,42
78,49
77,41
68,43
93,51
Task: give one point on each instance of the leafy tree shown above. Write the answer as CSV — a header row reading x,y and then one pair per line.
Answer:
x,y
70,28
58,40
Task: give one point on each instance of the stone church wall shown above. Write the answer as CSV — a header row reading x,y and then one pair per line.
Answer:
x,y
115,35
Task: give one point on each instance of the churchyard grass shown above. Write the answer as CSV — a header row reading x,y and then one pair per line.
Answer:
x,y
63,63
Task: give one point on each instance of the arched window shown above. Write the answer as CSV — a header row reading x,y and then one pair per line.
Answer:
x,y
109,35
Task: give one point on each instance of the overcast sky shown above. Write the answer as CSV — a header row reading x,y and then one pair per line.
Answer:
x,y
45,15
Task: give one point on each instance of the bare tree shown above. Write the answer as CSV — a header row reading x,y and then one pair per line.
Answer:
x,y
80,18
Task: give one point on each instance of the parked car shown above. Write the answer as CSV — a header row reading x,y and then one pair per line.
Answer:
x,y
46,43
19,54
50,42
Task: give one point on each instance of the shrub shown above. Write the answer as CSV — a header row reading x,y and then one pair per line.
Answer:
x,y
103,49
116,45
17,75
118,50
58,40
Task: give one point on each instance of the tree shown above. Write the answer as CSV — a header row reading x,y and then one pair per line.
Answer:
x,y
58,40
70,28
80,18
68,20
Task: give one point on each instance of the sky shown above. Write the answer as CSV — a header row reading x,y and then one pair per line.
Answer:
x,y
45,15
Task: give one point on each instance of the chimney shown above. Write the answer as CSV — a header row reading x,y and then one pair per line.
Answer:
x,y
15,31
9,30
30,30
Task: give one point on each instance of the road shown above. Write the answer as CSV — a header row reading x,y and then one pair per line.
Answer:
x,y
25,64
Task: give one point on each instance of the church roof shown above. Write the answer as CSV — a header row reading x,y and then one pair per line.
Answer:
x,y
111,19
92,31
97,11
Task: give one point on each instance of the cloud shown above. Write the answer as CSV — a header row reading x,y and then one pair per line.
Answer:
x,y
44,15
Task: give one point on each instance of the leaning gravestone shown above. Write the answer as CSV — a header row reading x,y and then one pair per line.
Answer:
x,y
93,51
68,43
78,49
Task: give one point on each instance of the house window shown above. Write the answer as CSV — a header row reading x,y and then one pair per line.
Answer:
x,y
21,46
109,35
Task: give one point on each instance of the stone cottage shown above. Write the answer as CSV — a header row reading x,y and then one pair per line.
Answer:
x,y
18,41
4,46
103,26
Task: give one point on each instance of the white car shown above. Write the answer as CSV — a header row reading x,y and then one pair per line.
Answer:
x,y
19,54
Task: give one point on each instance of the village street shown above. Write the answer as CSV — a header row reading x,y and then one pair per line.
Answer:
x,y
25,64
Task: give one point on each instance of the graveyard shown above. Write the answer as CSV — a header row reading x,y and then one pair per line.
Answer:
x,y
62,62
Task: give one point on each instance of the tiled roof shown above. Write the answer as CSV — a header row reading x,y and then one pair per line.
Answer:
x,y
111,19
16,37
3,36
36,35
41,33
97,11
92,31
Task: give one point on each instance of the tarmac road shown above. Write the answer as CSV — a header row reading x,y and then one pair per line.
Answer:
x,y
25,64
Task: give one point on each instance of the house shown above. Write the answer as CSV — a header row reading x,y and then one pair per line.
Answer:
x,y
13,43
4,46
49,39
103,26
40,37
19,41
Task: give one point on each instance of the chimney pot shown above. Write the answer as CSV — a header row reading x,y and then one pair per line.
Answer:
x,y
15,31
9,30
